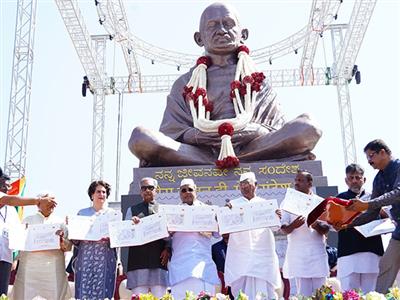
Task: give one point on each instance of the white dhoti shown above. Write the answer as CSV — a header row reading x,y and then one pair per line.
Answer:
x,y
194,285
306,258
156,290
307,286
251,259
358,271
41,273
252,286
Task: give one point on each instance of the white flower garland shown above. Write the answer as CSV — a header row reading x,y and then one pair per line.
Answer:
x,y
247,84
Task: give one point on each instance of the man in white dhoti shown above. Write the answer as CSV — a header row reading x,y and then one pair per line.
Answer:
x,y
306,259
251,262
191,267
42,273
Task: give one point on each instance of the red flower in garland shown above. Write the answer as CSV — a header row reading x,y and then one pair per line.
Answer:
x,y
256,87
243,90
209,106
200,92
235,84
204,60
190,96
186,90
248,79
227,163
258,77
244,49
225,129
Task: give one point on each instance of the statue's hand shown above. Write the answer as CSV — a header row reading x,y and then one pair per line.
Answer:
x,y
249,133
194,136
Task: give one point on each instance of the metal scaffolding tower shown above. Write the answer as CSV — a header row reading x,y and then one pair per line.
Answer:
x,y
21,81
99,112
345,51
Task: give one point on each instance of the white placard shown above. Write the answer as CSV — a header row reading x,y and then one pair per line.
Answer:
x,y
190,218
298,203
35,237
150,228
376,227
248,216
92,228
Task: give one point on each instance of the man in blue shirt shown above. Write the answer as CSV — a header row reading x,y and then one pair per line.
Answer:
x,y
386,191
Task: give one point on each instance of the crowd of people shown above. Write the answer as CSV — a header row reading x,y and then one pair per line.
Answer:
x,y
197,261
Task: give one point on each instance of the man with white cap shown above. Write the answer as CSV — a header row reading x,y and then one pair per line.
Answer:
x,y
147,264
191,267
251,262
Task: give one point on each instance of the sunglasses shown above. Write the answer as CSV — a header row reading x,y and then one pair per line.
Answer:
x,y
147,187
187,190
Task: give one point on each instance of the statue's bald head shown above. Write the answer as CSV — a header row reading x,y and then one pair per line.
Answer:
x,y
218,8
219,30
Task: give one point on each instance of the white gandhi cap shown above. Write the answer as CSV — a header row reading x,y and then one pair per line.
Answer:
x,y
187,181
249,176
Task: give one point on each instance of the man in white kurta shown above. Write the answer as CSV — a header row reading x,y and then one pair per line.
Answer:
x,y
42,273
306,259
251,263
191,267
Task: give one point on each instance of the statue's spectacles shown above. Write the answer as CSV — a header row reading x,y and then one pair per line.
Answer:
x,y
147,187
187,190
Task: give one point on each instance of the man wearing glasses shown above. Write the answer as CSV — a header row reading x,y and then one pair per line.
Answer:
x,y
251,261
385,191
191,267
147,264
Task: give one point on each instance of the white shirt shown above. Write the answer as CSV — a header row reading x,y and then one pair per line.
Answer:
x,y
306,255
252,253
8,218
191,257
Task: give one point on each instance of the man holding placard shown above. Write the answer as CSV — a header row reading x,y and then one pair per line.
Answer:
x,y
42,272
191,267
147,264
306,259
251,261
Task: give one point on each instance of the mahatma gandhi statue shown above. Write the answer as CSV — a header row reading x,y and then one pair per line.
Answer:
x,y
223,106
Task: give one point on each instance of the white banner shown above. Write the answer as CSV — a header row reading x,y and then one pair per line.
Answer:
x,y
299,203
190,218
248,216
92,228
376,227
150,228
35,237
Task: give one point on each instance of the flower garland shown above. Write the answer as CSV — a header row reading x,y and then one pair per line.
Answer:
x,y
244,90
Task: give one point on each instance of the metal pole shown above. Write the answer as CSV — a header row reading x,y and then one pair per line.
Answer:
x,y
119,138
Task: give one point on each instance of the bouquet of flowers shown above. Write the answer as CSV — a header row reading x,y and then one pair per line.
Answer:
x,y
394,294
326,292
374,296
351,295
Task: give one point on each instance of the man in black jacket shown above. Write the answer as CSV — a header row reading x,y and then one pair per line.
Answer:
x,y
147,264
358,256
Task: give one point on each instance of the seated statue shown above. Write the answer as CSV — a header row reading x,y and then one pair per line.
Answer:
x,y
223,88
